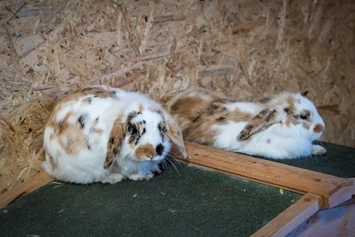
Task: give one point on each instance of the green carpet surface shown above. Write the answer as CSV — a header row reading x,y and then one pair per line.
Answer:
x,y
190,202
338,161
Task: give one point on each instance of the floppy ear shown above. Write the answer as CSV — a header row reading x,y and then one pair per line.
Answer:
x,y
175,135
114,142
266,99
258,123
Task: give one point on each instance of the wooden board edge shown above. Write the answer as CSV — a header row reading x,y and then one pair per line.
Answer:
x,y
339,197
28,186
338,221
243,177
292,217
340,200
353,189
323,184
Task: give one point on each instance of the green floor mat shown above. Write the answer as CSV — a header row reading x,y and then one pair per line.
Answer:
x,y
338,161
190,202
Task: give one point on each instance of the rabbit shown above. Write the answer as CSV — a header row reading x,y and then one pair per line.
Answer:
x,y
282,126
104,134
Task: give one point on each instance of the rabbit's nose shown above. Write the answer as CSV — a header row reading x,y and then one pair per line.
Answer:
x,y
318,128
159,149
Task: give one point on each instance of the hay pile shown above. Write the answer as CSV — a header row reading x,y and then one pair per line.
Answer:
x,y
246,49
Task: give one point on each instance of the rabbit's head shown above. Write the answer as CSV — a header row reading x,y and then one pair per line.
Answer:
x,y
296,114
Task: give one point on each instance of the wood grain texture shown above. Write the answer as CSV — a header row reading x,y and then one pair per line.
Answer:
x,y
26,187
353,189
292,217
339,221
266,171
341,196
246,178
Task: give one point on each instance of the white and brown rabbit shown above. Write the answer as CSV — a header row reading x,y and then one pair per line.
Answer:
x,y
279,127
103,134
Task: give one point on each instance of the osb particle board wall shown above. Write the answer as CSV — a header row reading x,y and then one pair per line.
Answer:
x,y
246,49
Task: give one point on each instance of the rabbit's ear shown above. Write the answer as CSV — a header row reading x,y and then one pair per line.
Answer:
x,y
174,133
115,141
258,123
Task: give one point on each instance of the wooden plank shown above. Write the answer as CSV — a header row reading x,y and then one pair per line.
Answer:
x,y
353,190
265,171
28,186
350,201
243,177
292,217
338,221
342,195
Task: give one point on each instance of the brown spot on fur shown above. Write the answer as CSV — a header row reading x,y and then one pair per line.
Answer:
x,y
174,133
98,92
139,127
266,100
158,111
87,100
291,120
85,92
306,112
115,142
189,111
75,140
318,128
238,116
131,116
131,140
197,114
81,120
259,123
140,108
291,103
196,118
305,125
69,136
98,131
50,159
145,151
188,107
59,126
221,119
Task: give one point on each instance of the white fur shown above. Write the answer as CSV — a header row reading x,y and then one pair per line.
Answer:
x,y
281,145
87,166
246,107
278,141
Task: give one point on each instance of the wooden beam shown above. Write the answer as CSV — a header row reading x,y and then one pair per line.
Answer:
x,y
243,177
342,195
266,171
338,221
353,190
292,217
28,186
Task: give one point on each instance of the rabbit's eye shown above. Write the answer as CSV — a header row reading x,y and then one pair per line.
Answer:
x,y
132,129
304,116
